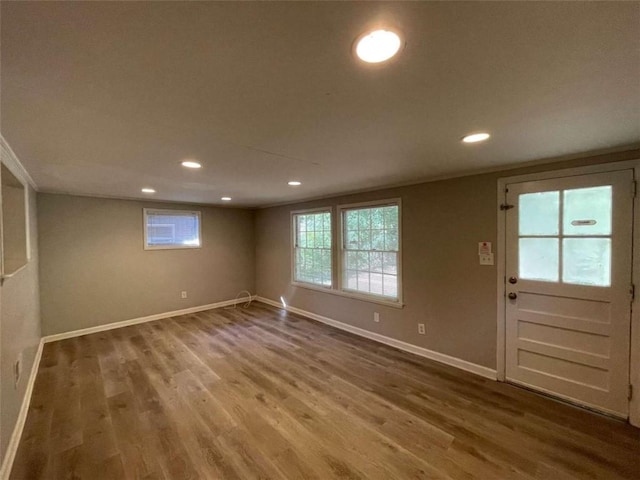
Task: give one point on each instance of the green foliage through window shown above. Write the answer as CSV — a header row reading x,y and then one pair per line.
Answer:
x,y
371,250
312,248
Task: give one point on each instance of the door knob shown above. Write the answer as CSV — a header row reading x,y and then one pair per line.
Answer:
x,y
513,280
512,295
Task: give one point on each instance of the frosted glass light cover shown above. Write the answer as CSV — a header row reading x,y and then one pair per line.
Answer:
x,y
539,213
539,259
587,261
587,211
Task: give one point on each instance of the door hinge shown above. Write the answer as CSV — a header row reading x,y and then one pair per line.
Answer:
x,y
632,291
634,188
630,396
506,206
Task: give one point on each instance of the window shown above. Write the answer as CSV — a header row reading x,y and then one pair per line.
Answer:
x,y
164,229
369,266
312,251
565,236
371,249
15,254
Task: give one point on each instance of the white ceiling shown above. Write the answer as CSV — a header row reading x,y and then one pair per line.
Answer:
x,y
103,98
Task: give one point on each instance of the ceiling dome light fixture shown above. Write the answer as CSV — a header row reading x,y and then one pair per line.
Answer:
x,y
226,199
148,190
191,164
475,137
295,183
377,46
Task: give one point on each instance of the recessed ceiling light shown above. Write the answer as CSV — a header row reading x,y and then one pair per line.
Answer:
x,y
295,183
191,164
148,190
378,46
226,199
475,137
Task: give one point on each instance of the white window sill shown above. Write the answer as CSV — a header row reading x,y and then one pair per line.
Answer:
x,y
171,247
347,294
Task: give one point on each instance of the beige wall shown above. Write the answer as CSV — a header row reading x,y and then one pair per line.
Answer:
x,y
95,271
443,284
19,331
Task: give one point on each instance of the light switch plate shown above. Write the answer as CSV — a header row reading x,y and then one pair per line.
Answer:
x,y
486,259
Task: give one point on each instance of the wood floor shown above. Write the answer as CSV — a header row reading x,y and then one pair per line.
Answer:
x,y
261,393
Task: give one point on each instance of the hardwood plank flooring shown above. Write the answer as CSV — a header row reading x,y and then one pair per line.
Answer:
x,y
265,394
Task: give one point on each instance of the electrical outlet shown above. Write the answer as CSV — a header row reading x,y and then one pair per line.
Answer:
x,y
183,294
376,317
421,330
486,259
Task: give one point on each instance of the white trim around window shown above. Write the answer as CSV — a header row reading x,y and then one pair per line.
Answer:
x,y
170,213
295,245
337,254
373,297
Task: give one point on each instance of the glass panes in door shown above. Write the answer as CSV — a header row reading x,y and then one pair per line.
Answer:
x,y
587,261
539,259
577,253
539,213
587,211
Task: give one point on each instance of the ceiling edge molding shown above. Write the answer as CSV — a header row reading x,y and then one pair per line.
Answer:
x,y
468,173
10,159
149,200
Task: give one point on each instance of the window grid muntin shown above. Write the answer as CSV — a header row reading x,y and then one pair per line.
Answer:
x,y
313,240
356,279
561,236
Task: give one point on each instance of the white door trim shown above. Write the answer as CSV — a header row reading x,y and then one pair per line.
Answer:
x,y
634,406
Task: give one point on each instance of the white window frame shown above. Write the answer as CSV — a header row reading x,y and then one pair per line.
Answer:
x,y
161,211
372,297
292,222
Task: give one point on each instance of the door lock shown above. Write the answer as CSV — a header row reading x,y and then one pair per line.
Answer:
x,y
512,295
513,280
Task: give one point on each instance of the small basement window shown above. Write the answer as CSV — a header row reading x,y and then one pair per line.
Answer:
x,y
169,229
14,223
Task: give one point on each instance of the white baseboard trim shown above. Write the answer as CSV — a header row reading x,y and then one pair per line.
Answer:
x,y
14,441
149,318
485,372
12,448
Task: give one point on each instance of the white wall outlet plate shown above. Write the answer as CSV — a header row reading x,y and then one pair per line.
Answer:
x,y
376,317
421,329
486,259
183,294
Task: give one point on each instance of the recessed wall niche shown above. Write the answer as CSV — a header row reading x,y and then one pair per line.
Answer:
x,y
14,223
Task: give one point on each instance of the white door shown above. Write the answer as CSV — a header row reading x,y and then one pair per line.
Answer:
x,y
568,279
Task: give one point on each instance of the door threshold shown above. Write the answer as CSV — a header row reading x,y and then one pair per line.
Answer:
x,y
569,402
